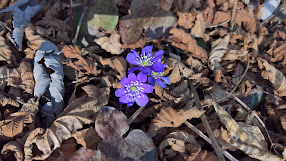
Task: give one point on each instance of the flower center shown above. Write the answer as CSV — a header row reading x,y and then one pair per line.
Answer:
x,y
145,63
134,88
156,75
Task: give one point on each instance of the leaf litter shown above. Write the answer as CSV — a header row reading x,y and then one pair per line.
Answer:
x,y
58,96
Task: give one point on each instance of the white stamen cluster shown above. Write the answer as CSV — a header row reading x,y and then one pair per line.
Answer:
x,y
156,75
133,94
145,60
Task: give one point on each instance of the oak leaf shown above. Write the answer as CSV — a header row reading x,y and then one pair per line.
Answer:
x,y
110,44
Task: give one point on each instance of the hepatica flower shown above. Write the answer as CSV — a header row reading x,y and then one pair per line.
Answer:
x,y
134,89
147,61
157,77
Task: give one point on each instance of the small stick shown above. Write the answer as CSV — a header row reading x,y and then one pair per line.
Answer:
x,y
207,125
220,24
233,15
135,115
79,23
202,135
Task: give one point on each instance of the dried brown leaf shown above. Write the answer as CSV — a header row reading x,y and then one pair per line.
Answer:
x,y
117,63
168,117
22,77
15,123
186,19
5,52
248,20
184,41
198,29
65,151
78,113
15,147
278,54
221,17
75,60
110,44
272,74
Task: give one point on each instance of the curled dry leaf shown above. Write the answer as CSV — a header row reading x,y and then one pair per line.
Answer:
x,y
22,77
278,54
198,30
15,147
111,44
168,117
184,41
78,113
15,123
7,101
75,60
247,138
272,74
5,53
111,123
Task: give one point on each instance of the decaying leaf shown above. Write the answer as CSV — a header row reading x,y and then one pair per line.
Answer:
x,y
183,40
111,123
186,19
22,77
75,60
272,74
166,4
7,101
198,30
15,147
15,123
34,40
85,154
168,117
78,113
111,44
5,53
247,138
88,138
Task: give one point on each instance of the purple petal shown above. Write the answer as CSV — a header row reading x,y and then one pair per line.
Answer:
x,y
120,92
147,70
158,67
158,56
151,80
124,81
142,77
132,77
147,88
166,79
147,51
125,98
132,57
142,99
130,104
132,69
160,83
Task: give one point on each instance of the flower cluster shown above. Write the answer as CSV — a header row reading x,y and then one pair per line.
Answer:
x,y
134,87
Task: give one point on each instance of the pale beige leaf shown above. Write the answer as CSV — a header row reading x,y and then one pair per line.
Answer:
x,y
34,40
272,74
22,77
117,63
186,19
247,138
88,138
199,28
110,44
15,147
219,48
177,70
78,113
15,123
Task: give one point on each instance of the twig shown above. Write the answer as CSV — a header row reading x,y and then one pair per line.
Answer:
x,y
79,23
233,15
220,24
135,115
202,135
207,125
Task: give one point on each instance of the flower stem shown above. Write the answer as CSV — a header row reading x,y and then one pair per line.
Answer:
x,y
135,115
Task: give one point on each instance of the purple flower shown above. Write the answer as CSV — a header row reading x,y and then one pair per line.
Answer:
x,y
134,89
156,77
146,62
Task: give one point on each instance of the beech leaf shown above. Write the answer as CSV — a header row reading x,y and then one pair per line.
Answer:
x,y
110,44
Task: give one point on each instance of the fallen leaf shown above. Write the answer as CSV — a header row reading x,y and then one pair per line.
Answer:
x,y
5,53
272,74
15,147
75,60
251,140
65,151
186,19
85,154
4,74
111,123
110,44
34,40
168,117
198,30
22,77
184,41
74,117
87,138
15,123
